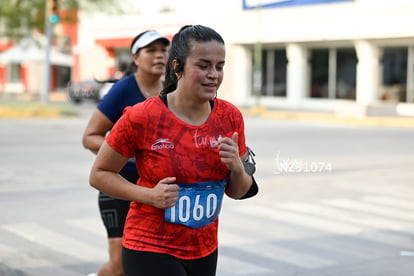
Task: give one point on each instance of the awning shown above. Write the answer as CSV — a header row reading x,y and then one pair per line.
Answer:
x,y
33,50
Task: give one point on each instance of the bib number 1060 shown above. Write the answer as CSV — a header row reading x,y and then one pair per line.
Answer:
x,y
196,211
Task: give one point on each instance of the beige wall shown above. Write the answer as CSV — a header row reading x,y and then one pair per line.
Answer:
x,y
380,22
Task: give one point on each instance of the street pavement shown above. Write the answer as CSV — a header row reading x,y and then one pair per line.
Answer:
x,y
334,200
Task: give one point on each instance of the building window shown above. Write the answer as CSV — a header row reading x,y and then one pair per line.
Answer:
x,y
13,74
333,73
346,63
394,74
319,73
273,72
63,76
123,60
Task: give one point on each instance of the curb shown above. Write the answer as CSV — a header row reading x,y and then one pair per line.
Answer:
x,y
16,110
29,106
57,107
397,122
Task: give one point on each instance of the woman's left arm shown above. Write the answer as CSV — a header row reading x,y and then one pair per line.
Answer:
x,y
239,181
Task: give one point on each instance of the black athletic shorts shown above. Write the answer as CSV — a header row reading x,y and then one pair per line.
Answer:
x,y
158,264
114,211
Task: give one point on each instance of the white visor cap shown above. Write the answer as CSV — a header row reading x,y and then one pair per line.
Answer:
x,y
146,39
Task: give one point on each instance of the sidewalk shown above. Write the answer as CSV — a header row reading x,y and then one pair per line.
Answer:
x,y
58,106
27,106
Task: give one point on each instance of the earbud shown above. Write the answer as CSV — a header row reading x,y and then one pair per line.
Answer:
x,y
178,67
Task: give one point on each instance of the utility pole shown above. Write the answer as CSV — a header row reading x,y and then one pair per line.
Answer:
x,y
257,58
51,18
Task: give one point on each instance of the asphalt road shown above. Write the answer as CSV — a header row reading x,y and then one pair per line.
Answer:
x,y
334,200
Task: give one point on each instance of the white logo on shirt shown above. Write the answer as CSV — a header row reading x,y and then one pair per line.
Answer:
x,y
162,143
201,141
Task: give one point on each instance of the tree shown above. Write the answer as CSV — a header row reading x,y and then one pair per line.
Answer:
x,y
18,18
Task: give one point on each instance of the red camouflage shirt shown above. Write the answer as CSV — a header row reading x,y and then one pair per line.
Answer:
x,y
164,146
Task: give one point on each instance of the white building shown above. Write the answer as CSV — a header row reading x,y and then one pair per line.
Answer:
x,y
344,56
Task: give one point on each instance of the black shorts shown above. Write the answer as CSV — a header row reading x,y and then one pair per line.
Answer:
x,y
114,211
157,264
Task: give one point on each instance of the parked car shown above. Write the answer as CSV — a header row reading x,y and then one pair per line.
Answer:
x,y
84,90
105,88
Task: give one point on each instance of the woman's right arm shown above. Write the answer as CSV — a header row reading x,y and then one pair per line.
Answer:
x,y
104,177
95,131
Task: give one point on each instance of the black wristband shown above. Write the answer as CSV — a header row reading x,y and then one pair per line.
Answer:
x,y
253,190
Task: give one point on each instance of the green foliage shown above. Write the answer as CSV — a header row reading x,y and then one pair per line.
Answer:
x,y
18,18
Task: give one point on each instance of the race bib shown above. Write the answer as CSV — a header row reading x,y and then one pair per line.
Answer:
x,y
198,204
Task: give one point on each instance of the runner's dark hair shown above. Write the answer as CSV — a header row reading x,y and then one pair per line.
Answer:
x,y
181,47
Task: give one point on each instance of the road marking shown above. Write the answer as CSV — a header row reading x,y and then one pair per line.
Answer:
x,y
399,241
57,242
405,253
389,201
345,215
347,227
231,221
300,219
361,189
371,224
232,266
373,209
273,252
93,225
18,260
